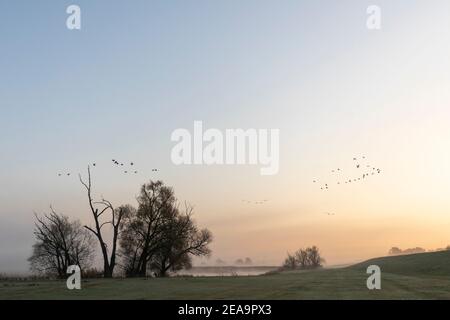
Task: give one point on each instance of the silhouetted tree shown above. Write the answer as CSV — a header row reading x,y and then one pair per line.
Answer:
x,y
308,258
142,232
302,258
159,236
60,243
395,251
113,218
290,262
181,240
314,258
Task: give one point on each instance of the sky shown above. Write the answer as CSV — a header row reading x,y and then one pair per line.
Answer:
x,y
135,72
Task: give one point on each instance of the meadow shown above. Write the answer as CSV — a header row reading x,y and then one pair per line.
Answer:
x,y
416,276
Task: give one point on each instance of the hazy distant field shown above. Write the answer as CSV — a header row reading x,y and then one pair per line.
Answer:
x,y
420,276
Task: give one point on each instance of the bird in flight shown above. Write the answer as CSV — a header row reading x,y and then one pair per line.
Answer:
x,y
361,162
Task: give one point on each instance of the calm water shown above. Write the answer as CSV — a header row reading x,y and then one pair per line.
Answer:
x,y
226,271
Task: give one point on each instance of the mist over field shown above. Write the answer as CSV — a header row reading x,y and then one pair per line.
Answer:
x,y
265,144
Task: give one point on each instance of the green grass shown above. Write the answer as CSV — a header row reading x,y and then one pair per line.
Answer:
x,y
419,276
420,264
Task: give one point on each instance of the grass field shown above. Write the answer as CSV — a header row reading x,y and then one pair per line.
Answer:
x,y
418,276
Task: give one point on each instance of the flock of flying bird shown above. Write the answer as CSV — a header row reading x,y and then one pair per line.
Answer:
x,y
254,202
366,171
370,171
130,169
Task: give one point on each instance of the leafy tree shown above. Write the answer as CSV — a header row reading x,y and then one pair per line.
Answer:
x,y
181,240
158,235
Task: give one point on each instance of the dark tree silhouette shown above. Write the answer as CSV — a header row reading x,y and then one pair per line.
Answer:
x,y
302,258
142,232
114,219
59,244
181,240
314,258
308,258
158,235
290,262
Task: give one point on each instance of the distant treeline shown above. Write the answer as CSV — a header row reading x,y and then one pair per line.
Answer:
x,y
238,262
395,251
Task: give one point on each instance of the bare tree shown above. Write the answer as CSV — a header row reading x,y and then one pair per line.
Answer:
x,y
60,243
302,258
114,216
314,258
290,262
308,258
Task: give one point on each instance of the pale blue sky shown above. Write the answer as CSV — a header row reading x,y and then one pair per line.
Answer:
x,y
138,70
